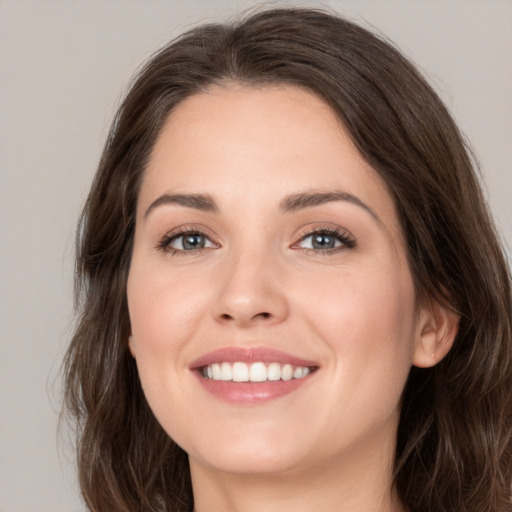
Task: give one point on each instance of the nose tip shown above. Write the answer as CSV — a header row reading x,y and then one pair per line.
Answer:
x,y
249,297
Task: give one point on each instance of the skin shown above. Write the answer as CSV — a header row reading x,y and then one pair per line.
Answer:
x,y
329,445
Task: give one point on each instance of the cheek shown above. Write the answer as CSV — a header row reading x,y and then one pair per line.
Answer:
x,y
164,308
164,314
353,301
367,321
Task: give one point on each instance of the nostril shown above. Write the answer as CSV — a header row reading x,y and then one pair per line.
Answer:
x,y
225,316
263,314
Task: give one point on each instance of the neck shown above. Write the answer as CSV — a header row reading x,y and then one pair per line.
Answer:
x,y
355,482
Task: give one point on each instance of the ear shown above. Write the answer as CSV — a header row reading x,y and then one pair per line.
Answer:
x,y
437,329
131,345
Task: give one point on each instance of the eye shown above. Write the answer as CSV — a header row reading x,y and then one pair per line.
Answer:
x,y
326,240
186,241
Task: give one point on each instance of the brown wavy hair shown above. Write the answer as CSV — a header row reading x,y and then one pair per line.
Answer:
x,y
454,448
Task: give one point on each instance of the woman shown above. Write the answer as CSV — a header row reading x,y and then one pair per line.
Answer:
x,y
292,295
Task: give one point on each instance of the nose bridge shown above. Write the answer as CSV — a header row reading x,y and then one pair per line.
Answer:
x,y
250,289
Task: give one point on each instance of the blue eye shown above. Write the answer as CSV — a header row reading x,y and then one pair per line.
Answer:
x,y
321,241
326,241
186,242
189,242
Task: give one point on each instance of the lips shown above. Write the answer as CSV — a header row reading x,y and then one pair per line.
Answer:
x,y
249,355
251,375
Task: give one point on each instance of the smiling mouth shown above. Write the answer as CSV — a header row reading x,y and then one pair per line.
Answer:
x,y
258,371
247,376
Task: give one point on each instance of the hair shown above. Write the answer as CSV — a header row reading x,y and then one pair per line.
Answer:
x,y
454,450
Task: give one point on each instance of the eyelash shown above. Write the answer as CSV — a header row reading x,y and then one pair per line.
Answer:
x,y
346,240
165,243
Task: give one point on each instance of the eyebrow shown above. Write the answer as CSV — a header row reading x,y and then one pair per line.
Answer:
x,y
291,203
202,202
302,200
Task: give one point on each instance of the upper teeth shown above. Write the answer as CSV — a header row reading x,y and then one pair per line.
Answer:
x,y
255,372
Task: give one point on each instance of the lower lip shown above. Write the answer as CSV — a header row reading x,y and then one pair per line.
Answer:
x,y
247,393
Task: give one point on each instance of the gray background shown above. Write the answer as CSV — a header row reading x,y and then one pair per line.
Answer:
x,y
63,67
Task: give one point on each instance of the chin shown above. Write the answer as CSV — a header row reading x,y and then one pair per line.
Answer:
x,y
256,453
254,463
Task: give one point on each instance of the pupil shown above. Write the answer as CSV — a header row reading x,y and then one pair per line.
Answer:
x,y
323,242
193,242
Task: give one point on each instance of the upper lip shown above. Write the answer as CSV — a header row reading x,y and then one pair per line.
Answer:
x,y
249,355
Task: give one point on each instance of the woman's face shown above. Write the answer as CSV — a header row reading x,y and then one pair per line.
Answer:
x,y
264,239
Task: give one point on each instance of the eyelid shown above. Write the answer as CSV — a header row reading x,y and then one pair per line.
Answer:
x,y
347,239
343,235
179,236
164,241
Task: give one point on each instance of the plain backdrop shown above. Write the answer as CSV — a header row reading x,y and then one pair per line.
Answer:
x,y
63,68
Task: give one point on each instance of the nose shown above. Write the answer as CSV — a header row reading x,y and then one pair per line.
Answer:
x,y
251,292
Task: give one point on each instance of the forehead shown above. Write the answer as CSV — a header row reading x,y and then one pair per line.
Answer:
x,y
252,129
267,142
